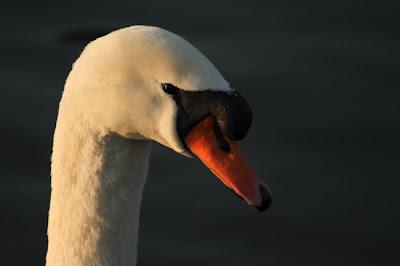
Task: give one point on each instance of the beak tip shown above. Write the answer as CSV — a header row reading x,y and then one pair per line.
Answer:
x,y
266,198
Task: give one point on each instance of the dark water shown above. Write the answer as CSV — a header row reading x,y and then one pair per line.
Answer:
x,y
322,78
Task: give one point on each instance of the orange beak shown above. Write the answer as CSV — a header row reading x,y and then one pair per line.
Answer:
x,y
230,167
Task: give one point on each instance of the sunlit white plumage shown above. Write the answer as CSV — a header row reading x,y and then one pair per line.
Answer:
x,y
112,106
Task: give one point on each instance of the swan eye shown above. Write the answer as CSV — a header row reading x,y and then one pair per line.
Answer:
x,y
169,88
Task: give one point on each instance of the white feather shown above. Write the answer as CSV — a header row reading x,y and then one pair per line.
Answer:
x,y
112,106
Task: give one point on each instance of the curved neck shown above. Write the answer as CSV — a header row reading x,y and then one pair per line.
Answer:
x,y
97,184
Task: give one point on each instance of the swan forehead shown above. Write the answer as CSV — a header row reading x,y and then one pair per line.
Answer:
x,y
160,55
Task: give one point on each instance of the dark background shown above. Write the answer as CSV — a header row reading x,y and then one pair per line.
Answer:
x,y
322,78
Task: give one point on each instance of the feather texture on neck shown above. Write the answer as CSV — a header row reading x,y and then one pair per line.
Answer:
x,y
97,184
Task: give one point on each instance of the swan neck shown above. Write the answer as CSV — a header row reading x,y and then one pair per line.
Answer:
x,y
97,184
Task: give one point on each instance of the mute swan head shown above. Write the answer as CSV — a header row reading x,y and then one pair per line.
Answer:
x,y
147,83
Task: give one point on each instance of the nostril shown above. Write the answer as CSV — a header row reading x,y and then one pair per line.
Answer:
x,y
222,142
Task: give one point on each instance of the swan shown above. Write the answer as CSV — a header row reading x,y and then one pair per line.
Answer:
x,y
128,88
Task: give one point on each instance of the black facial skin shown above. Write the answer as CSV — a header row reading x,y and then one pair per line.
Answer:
x,y
231,111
